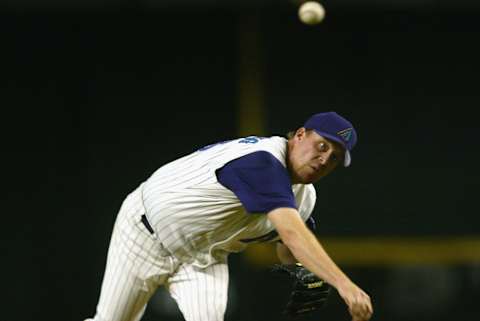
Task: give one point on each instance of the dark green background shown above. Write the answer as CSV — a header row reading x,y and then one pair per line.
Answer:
x,y
95,100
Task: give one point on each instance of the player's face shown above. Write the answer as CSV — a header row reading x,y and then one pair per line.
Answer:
x,y
312,156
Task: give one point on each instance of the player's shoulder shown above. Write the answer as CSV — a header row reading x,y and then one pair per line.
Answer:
x,y
245,142
275,145
277,141
274,141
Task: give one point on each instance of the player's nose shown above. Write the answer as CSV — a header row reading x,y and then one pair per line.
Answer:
x,y
325,157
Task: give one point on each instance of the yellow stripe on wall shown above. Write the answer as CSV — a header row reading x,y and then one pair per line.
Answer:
x,y
385,251
403,250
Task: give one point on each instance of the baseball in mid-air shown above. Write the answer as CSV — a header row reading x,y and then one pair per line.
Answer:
x,y
311,12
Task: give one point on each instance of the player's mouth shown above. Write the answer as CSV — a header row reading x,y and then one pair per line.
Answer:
x,y
314,173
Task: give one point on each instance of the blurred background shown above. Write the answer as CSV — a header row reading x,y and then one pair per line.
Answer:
x,y
96,95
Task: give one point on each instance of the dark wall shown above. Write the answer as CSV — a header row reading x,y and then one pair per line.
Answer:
x,y
409,83
96,101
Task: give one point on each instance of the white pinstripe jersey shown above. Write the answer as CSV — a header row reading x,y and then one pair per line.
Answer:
x,y
196,218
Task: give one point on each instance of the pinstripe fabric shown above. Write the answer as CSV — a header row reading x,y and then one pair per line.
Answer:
x,y
197,223
199,220
201,294
136,265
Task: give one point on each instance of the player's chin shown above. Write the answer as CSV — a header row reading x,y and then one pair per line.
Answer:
x,y
312,177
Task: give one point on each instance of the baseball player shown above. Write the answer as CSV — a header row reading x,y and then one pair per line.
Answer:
x,y
179,226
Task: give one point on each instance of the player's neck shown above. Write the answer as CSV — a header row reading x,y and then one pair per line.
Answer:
x,y
291,173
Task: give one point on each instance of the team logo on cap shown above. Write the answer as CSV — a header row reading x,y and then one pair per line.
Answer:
x,y
346,134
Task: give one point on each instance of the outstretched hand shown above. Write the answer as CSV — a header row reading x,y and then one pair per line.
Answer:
x,y
358,302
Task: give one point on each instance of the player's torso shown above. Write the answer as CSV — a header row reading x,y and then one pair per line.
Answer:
x,y
196,217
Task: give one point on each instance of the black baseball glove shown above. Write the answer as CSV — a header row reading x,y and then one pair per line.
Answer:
x,y
309,293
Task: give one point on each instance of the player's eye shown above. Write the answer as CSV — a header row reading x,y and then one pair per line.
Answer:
x,y
322,147
334,157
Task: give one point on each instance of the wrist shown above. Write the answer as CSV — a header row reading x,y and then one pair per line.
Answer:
x,y
342,283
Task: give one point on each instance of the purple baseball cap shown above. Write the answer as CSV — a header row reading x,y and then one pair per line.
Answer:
x,y
334,127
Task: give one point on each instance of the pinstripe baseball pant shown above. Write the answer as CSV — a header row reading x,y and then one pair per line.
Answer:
x,y
137,265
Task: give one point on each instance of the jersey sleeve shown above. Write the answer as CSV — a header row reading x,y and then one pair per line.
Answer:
x,y
260,182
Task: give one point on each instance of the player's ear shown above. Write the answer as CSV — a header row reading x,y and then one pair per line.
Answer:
x,y
300,133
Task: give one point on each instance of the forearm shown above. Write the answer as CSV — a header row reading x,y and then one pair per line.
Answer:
x,y
285,255
308,251
305,247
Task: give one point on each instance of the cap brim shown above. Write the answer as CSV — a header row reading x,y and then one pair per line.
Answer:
x,y
347,159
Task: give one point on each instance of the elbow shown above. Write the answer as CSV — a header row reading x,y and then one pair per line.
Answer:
x,y
290,228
